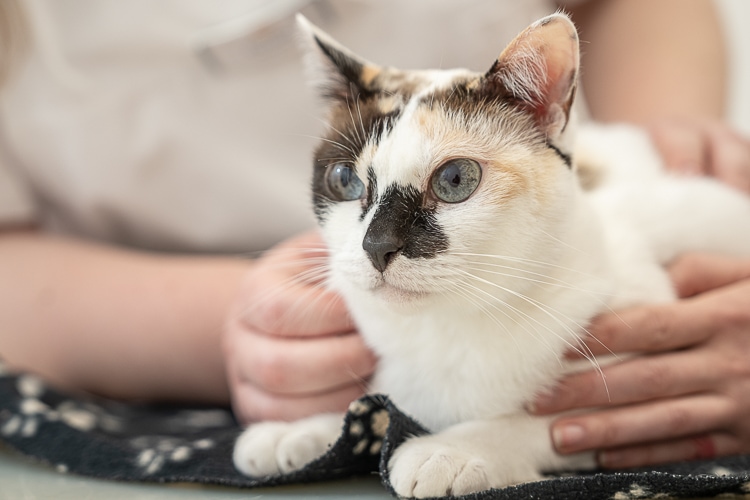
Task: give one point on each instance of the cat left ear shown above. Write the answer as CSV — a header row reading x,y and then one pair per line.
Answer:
x,y
539,70
339,74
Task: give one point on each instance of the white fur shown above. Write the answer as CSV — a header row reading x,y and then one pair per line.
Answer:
x,y
465,367
465,355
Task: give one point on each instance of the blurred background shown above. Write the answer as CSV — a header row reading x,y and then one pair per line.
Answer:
x,y
736,15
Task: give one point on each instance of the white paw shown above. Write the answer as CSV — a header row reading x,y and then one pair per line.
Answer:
x,y
429,466
427,469
271,448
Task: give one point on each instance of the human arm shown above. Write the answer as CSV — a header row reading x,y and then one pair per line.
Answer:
x,y
663,66
646,61
688,395
115,322
137,325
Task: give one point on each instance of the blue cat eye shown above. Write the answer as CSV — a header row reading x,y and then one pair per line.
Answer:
x,y
343,183
456,180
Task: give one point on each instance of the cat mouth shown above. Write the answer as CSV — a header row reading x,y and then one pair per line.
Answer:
x,y
395,293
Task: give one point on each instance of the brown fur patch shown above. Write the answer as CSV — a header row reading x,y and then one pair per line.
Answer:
x,y
463,121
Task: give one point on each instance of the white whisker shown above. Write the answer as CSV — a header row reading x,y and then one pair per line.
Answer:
x,y
548,311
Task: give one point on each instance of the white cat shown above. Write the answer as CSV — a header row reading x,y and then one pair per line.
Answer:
x,y
471,256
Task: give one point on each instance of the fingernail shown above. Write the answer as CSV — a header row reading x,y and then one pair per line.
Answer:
x,y
568,436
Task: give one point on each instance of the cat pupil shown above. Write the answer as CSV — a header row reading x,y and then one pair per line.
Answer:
x,y
456,180
345,177
343,183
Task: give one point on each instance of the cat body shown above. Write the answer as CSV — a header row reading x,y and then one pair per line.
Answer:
x,y
472,257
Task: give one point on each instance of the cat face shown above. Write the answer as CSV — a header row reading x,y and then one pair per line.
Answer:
x,y
425,175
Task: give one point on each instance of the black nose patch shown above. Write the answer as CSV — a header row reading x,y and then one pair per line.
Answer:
x,y
381,246
401,225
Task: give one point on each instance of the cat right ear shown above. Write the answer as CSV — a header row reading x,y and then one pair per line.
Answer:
x,y
337,72
539,71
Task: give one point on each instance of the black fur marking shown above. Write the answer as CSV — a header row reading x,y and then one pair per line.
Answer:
x,y
402,224
350,69
354,123
563,156
372,188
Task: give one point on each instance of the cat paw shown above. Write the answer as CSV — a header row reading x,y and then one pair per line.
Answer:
x,y
424,469
273,448
431,466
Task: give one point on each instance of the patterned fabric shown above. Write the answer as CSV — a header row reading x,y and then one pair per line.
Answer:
x,y
112,440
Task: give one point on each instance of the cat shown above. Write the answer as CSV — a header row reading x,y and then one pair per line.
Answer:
x,y
474,232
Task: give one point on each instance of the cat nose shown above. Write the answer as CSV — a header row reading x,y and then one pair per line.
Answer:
x,y
381,248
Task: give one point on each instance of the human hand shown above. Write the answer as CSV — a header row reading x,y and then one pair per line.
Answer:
x,y
704,147
687,396
290,346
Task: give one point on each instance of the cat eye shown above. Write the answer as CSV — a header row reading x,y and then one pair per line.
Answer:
x,y
456,180
343,183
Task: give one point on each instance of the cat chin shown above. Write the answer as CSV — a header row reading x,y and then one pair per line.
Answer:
x,y
396,295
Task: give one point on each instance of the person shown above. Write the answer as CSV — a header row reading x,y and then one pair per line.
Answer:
x,y
143,157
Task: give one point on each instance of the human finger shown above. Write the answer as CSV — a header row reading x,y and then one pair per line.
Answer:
x,y
632,381
643,423
291,309
700,447
292,366
285,293
251,404
696,273
650,328
682,145
729,156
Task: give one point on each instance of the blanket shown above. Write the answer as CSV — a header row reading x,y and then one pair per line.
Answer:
x,y
129,442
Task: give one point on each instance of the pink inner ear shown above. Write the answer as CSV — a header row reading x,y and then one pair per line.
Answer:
x,y
541,64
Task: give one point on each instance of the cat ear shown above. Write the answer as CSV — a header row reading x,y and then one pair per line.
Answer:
x,y
539,70
337,72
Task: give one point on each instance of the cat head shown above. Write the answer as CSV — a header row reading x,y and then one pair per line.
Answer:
x,y
422,174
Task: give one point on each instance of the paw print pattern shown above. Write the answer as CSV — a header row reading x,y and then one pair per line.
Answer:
x,y
157,451
32,412
636,491
367,427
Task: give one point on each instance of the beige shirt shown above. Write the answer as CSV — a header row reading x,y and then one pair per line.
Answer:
x,y
187,125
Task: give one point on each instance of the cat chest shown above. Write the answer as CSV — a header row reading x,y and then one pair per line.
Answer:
x,y
442,376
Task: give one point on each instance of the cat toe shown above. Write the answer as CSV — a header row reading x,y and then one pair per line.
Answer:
x,y
255,450
423,470
272,448
298,448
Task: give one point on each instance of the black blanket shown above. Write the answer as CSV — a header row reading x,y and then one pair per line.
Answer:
x,y
112,440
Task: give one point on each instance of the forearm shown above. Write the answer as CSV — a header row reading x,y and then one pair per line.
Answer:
x,y
119,323
645,60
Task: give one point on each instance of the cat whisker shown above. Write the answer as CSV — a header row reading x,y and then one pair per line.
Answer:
x,y
550,312
313,279
552,280
528,262
361,122
468,292
594,294
360,136
339,145
529,328
564,243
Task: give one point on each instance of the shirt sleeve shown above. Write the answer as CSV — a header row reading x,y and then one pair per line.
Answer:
x,y
17,204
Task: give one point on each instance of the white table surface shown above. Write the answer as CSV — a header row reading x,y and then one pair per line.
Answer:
x,y
21,479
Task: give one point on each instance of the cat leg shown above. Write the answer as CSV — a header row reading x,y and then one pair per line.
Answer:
x,y
478,455
271,448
